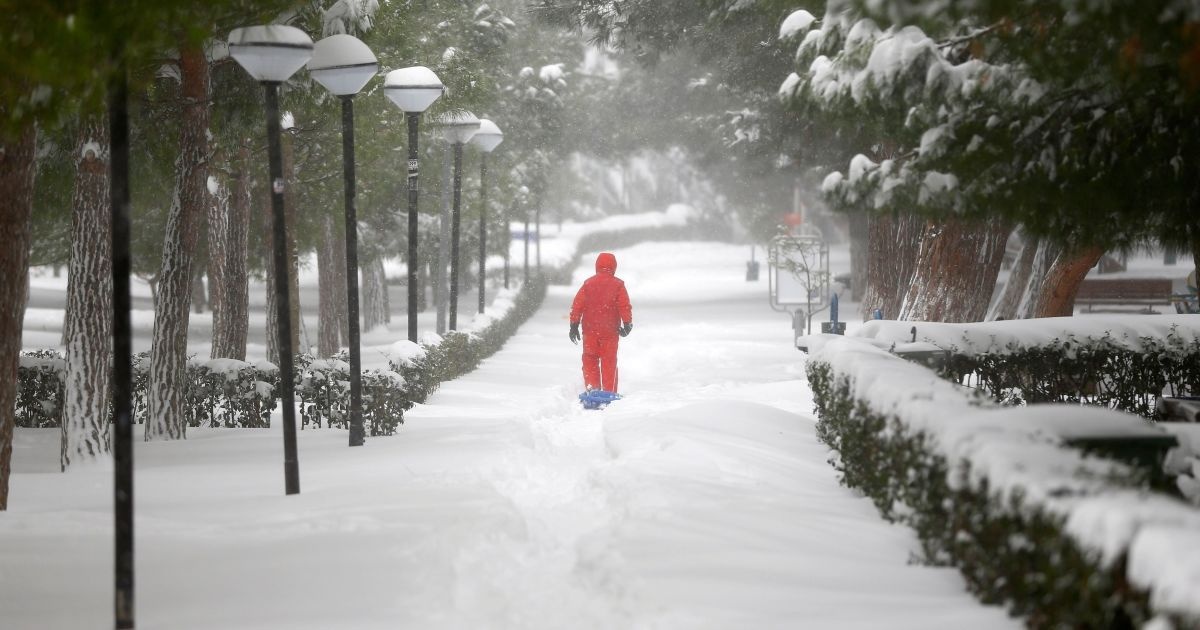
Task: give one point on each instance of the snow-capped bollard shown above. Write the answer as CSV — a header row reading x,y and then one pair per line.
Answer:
x,y
833,326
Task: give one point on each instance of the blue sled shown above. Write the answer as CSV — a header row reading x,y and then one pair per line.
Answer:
x,y
597,398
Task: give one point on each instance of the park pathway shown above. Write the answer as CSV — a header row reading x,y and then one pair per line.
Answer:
x,y
701,500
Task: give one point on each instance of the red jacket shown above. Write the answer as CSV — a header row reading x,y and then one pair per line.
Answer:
x,y
602,302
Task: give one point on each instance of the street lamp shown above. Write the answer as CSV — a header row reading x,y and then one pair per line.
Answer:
x,y
271,54
487,139
458,129
413,90
343,64
122,368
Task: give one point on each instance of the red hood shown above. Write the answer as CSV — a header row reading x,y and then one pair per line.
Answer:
x,y
606,263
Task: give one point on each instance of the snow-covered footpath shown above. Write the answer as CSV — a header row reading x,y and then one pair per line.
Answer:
x,y
701,500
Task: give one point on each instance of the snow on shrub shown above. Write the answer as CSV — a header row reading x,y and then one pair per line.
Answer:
x,y
323,391
40,388
1124,361
218,393
1063,538
230,393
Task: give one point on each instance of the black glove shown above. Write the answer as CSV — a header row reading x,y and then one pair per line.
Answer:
x,y
574,334
624,330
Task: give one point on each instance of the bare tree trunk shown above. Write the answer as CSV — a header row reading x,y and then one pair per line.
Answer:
x,y
341,308
264,205
422,286
441,280
290,210
894,242
235,322
89,301
956,271
1056,297
1018,281
375,298
218,245
1045,255
859,254
199,291
327,298
1194,239
17,171
168,354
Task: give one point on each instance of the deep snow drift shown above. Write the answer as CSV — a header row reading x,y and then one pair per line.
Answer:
x,y
701,500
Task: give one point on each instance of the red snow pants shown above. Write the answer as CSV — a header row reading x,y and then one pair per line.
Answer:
x,y
600,361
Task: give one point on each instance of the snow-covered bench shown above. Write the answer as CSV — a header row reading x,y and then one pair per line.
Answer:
x,y
1145,292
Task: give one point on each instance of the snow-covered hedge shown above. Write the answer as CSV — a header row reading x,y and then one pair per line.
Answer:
x,y
219,392
1064,539
323,385
1123,361
40,389
323,391
225,393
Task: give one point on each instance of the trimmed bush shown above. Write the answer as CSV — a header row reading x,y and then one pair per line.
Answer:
x,y
1047,531
323,385
220,392
40,389
1094,370
1010,552
230,393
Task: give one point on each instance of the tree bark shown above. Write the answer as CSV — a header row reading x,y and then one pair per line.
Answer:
x,y
328,336
859,254
1194,234
17,171
168,354
89,302
375,297
263,198
218,259
1018,281
290,211
893,242
441,279
235,317
1056,297
341,307
956,270
1045,255
199,291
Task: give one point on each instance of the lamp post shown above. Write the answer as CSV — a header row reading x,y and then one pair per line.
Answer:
x,y
487,139
271,54
413,90
343,64
458,129
122,387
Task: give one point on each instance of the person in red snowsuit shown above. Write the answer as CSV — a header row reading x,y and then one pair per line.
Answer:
x,y
602,304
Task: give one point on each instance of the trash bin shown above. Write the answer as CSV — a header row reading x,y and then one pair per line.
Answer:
x,y
752,271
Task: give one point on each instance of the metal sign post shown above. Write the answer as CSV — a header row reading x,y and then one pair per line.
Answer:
x,y
798,276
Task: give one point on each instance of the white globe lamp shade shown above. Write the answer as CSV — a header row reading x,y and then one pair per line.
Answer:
x,y
343,64
488,137
270,53
413,89
459,127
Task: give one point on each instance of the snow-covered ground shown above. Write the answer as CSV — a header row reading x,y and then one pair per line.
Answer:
x,y
701,500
